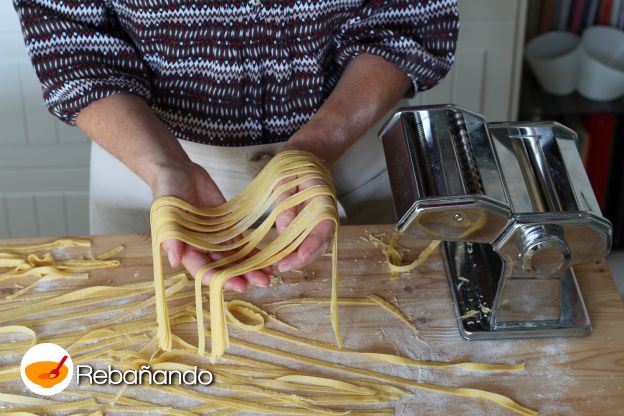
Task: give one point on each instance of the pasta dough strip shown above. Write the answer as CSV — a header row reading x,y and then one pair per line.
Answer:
x,y
114,343
47,268
18,329
456,391
394,257
388,358
33,248
393,310
136,327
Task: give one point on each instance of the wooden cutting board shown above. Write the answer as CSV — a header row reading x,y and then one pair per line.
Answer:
x,y
583,376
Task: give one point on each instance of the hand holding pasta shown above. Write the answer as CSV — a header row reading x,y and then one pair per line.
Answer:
x,y
215,229
318,240
191,183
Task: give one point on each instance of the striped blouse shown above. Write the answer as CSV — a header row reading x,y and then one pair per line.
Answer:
x,y
227,73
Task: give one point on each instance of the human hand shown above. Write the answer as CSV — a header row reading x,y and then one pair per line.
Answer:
x,y
316,243
191,183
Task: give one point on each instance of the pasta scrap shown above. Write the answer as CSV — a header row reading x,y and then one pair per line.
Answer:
x,y
126,340
46,266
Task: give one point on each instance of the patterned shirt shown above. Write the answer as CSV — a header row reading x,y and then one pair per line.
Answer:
x,y
227,73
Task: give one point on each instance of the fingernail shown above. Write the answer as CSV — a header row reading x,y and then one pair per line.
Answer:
x,y
172,259
283,267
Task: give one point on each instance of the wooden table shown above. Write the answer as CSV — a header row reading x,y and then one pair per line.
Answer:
x,y
583,376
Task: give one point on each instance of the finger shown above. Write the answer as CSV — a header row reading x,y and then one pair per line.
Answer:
x,y
296,260
287,216
320,237
310,249
284,219
254,277
194,260
266,270
217,255
311,182
225,243
209,193
174,249
257,278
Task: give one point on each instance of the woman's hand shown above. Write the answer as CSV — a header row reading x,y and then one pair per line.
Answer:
x,y
127,127
191,183
315,244
318,241
343,118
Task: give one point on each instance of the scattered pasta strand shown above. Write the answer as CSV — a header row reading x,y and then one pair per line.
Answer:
x,y
111,344
47,267
20,292
129,337
110,253
250,311
370,300
393,310
314,301
465,392
18,329
393,253
33,248
394,258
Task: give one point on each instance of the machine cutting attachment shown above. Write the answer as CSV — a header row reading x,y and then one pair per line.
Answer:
x,y
515,211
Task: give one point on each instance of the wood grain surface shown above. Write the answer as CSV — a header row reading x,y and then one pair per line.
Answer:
x,y
563,376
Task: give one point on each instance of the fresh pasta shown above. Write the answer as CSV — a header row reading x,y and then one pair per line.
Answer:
x,y
125,340
216,229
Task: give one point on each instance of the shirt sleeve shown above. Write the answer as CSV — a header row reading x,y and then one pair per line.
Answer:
x,y
419,37
80,54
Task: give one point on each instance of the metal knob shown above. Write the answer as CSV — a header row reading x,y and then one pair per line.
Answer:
x,y
544,251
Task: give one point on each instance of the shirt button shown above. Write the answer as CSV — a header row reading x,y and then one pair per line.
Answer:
x,y
256,2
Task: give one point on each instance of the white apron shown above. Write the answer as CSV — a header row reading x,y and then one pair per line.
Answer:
x,y
119,200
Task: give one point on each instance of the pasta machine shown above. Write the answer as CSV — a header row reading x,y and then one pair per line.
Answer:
x,y
514,209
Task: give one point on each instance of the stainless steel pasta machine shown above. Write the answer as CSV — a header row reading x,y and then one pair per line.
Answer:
x,y
514,208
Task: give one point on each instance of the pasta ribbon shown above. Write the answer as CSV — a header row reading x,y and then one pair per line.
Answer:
x,y
216,229
125,339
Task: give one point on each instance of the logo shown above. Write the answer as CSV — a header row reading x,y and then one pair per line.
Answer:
x,y
46,369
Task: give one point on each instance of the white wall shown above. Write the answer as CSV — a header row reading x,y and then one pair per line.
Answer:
x,y
44,171
486,74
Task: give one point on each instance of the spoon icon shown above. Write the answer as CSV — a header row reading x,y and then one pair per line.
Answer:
x,y
54,373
